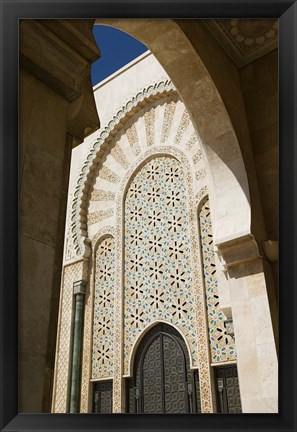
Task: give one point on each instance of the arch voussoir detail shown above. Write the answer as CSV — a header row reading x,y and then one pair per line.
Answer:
x,y
79,244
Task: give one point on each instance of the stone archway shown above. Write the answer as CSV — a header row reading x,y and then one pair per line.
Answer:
x,y
230,198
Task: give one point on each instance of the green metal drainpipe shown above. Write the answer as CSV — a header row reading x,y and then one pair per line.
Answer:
x,y
79,290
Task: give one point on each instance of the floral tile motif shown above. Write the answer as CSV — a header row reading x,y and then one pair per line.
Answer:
x,y
222,346
158,274
103,322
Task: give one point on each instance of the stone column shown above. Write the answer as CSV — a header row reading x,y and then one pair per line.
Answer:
x,y
79,291
57,110
252,317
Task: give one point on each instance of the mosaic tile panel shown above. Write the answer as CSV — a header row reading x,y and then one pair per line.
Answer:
x,y
197,156
222,346
158,274
103,321
87,344
85,397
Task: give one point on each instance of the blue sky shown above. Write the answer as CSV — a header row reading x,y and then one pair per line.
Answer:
x,y
117,49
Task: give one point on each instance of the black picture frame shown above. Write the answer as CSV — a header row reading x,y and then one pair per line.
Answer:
x,y
11,12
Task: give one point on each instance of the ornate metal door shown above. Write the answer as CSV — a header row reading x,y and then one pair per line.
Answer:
x,y
228,390
102,402
163,381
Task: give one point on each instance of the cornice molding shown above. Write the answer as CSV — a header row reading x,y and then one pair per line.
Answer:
x,y
244,40
238,251
59,54
51,53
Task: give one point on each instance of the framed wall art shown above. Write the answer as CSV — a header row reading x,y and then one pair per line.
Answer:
x,y
148,215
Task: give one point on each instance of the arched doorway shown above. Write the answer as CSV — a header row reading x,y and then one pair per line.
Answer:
x,y
162,381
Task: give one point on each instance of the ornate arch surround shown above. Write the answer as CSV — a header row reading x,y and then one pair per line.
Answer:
x,y
202,362
179,156
78,243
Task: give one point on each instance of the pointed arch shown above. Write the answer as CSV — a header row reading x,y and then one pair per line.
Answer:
x,y
144,332
202,354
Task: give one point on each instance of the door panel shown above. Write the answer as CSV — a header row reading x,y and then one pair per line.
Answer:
x,y
228,390
102,397
176,399
151,384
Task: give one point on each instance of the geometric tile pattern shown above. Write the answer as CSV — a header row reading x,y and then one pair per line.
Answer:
x,y
86,373
158,274
103,320
222,346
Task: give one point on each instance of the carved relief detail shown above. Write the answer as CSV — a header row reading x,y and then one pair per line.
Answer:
x,y
102,195
184,123
192,141
100,216
109,175
167,120
120,156
149,121
133,139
